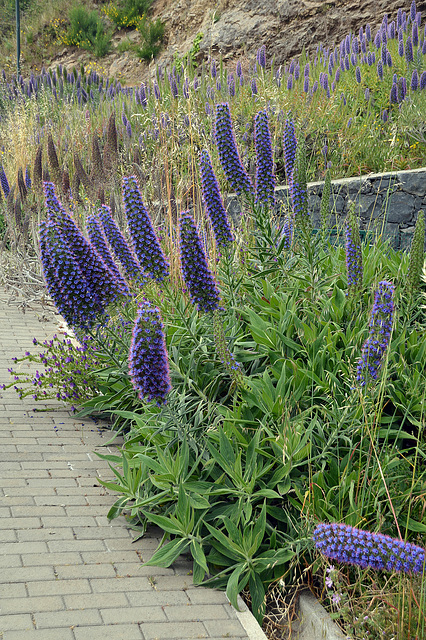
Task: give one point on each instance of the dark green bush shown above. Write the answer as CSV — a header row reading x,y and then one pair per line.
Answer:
x,y
152,33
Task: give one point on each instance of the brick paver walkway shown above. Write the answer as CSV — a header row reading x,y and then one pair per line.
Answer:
x,y
66,573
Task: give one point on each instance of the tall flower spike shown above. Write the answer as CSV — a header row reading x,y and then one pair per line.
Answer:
x,y
290,146
227,358
66,282
213,201
196,273
148,362
325,205
298,188
380,331
99,241
145,242
4,182
119,245
364,549
417,253
228,152
99,279
353,252
265,179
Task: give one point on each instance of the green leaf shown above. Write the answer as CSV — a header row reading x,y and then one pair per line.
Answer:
x,y
166,555
232,588
198,555
257,593
117,507
413,525
165,523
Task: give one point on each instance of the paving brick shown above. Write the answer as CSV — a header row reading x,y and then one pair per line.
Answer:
x,y
77,521
114,632
175,631
26,574
10,561
196,612
51,559
167,583
136,569
14,501
152,598
50,482
75,545
30,491
137,615
228,628
120,584
80,618
23,547
95,600
86,571
58,587
20,523
90,557
36,511
31,605
46,500
46,534
15,590
19,621
8,536
43,634
202,595
93,532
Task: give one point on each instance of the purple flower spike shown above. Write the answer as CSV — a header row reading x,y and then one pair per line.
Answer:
x,y
213,201
353,252
380,329
99,241
145,242
358,75
196,273
99,279
422,83
119,245
253,86
364,549
414,80
380,70
148,360
4,183
265,179
409,50
66,281
261,57
228,152
393,98
290,145
413,10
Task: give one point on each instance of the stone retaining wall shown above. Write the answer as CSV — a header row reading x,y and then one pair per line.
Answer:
x,y
387,203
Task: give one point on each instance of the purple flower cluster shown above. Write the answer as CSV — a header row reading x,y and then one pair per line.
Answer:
x,y
65,280
228,152
145,242
99,241
119,245
265,179
380,329
364,549
196,273
353,250
148,361
213,201
4,182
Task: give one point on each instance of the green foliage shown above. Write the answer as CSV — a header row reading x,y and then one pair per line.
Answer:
x,y
152,35
127,13
86,31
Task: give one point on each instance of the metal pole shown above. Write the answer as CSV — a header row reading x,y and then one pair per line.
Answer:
x,y
18,40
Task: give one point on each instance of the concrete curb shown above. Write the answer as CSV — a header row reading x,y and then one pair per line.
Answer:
x,y
315,622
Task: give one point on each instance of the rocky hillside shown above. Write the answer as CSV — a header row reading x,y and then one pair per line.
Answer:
x,y
235,29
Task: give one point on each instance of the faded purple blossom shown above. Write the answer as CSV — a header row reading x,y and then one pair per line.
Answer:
x,y
380,329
